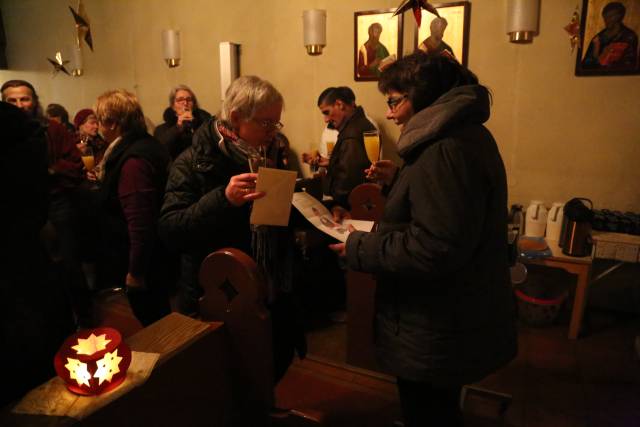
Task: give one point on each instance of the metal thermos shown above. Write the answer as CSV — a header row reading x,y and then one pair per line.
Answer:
x,y
575,236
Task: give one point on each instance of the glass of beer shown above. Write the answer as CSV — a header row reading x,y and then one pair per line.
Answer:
x,y
372,145
86,153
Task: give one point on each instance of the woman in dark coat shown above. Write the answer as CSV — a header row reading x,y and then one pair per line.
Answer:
x,y
181,119
132,177
444,309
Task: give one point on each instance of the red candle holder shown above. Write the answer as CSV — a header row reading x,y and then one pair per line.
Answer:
x,y
93,361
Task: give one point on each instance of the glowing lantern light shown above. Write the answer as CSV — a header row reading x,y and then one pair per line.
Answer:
x,y
93,361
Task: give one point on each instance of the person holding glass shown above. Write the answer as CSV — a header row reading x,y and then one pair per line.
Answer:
x,y
131,184
348,158
444,310
86,125
208,198
181,119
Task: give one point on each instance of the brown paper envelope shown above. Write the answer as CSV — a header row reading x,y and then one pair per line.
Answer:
x,y
274,208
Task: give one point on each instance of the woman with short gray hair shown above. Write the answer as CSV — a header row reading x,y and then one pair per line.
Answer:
x,y
208,202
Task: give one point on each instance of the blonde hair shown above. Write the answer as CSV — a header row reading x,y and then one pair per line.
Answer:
x,y
246,95
121,107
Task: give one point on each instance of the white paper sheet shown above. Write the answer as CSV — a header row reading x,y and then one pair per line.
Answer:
x,y
318,215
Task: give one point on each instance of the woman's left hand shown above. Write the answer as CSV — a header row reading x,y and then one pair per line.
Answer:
x,y
339,248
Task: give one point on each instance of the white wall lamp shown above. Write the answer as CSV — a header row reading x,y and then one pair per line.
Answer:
x,y
171,47
522,20
314,24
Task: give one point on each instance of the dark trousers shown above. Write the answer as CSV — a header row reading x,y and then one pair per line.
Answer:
x,y
426,405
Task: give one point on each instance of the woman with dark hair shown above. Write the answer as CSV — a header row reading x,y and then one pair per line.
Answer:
x,y
181,119
58,113
132,177
444,309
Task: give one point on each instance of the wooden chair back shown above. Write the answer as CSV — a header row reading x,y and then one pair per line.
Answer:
x,y
367,202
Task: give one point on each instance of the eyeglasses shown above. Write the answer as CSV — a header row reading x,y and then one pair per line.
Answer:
x,y
394,102
185,99
269,125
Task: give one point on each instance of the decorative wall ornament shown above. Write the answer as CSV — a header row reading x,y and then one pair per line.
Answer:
x,y
416,5
573,29
608,44
83,30
59,64
446,33
377,42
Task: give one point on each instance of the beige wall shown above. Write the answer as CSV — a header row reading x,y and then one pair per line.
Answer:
x,y
560,136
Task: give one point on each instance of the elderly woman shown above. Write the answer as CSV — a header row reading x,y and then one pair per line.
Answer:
x,y
181,119
444,308
207,202
132,179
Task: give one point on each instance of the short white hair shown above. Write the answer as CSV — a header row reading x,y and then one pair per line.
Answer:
x,y
246,95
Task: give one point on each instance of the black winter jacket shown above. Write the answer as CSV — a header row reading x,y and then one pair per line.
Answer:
x,y
349,159
444,307
175,139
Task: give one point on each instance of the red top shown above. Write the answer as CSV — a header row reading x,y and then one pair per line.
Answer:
x,y
65,165
139,200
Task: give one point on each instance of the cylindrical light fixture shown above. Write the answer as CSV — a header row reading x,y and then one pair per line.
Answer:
x,y
522,20
314,24
78,66
171,47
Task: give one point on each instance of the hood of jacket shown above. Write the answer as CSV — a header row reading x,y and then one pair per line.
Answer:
x,y
460,106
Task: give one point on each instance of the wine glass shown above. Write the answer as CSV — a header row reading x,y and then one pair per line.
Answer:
x,y
372,145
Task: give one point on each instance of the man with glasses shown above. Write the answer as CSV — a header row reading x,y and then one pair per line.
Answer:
x,y
181,119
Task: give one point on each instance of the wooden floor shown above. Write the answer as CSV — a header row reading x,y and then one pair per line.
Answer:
x,y
555,382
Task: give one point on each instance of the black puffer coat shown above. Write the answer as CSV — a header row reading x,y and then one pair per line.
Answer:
x,y
175,139
444,308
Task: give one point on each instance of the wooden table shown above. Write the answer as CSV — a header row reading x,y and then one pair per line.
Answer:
x,y
581,267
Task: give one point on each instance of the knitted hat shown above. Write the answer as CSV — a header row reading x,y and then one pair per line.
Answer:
x,y
81,117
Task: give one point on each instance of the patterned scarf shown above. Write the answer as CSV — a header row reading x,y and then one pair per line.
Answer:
x,y
270,246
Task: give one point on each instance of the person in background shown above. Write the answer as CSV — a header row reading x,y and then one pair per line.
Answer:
x,y
35,316
444,309
86,125
66,174
208,204
132,181
58,113
181,119
349,159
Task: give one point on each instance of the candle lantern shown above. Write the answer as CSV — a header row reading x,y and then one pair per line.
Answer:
x,y
93,361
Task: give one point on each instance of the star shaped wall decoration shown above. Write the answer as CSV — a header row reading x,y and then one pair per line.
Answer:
x,y
82,25
416,5
59,64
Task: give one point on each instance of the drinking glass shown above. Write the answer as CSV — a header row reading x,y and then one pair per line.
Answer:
x,y
86,153
372,145
330,145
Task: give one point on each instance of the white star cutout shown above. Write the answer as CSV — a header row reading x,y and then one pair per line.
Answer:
x,y
78,371
107,367
92,344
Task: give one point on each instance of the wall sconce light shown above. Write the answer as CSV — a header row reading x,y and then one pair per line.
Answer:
x,y
522,20
93,361
171,47
314,24
78,66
